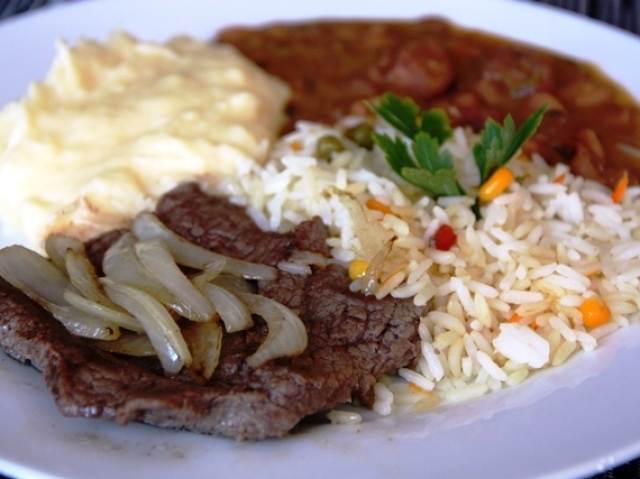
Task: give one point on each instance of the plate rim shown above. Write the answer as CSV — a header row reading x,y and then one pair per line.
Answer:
x,y
59,10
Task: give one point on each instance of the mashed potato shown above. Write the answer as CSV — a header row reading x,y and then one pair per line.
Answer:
x,y
113,126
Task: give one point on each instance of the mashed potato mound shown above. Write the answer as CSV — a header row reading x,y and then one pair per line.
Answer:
x,y
115,125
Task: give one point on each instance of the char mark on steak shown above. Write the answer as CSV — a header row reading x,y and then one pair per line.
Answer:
x,y
353,340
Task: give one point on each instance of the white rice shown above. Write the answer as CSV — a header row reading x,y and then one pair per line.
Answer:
x,y
504,298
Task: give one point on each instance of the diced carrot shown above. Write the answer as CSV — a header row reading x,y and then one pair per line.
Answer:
x,y
415,388
594,312
621,187
515,317
296,145
560,179
374,204
429,401
593,274
496,184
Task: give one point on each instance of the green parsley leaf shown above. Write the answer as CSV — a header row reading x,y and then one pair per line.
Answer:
x,y
527,130
436,123
423,164
427,152
439,183
396,152
417,156
400,113
403,115
498,144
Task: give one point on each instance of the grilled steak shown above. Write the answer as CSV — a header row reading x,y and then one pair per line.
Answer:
x,y
353,340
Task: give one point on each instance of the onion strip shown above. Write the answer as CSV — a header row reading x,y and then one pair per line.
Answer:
x,y
121,263
234,313
156,257
147,226
83,276
142,282
42,281
210,272
129,344
287,335
205,343
80,323
97,310
374,269
34,275
234,284
162,330
57,245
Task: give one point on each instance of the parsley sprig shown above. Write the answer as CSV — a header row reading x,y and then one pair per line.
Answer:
x,y
416,154
499,143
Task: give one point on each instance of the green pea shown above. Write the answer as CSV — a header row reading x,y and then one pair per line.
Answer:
x,y
328,145
361,134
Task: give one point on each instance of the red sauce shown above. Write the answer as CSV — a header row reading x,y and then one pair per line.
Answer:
x,y
332,66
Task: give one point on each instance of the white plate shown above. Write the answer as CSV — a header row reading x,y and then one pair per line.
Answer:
x,y
574,422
